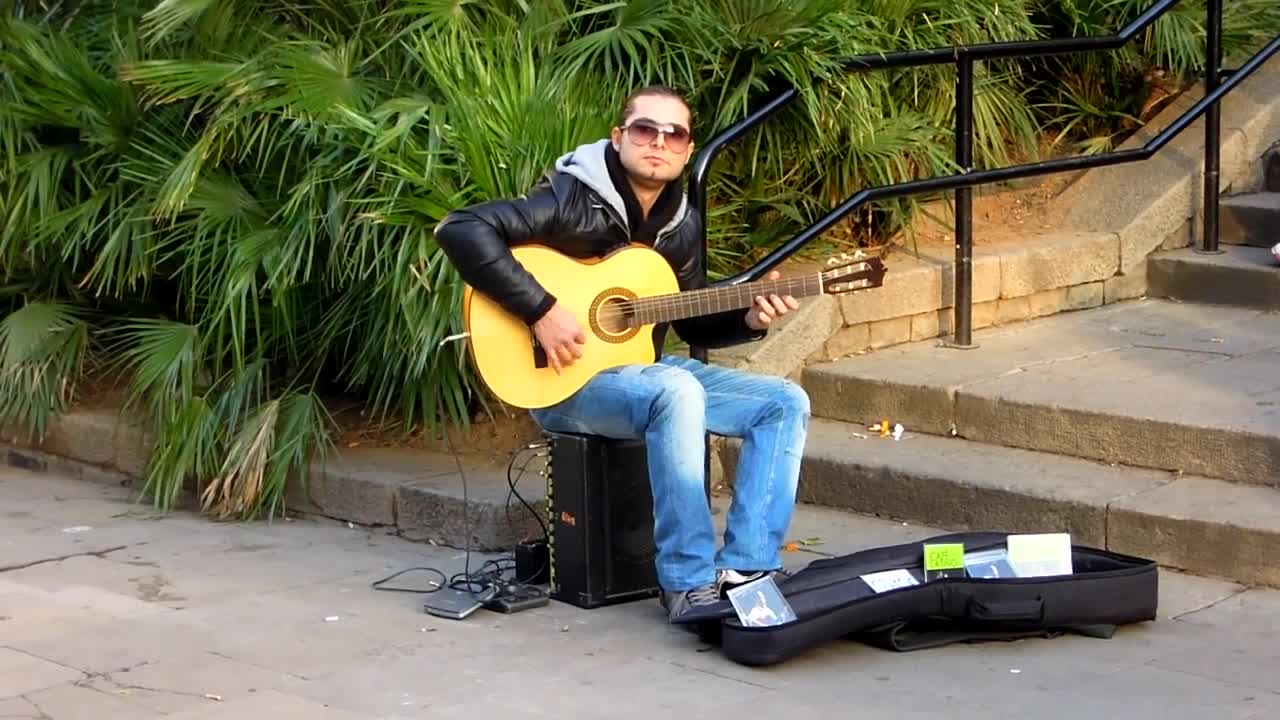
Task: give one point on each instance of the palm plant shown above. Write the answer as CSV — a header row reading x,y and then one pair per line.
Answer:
x,y
230,203
1096,100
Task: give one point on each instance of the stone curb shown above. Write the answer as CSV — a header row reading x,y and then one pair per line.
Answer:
x,y
421,495
1199,525
415,494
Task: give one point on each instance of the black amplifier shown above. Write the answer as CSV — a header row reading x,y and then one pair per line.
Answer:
x,y
600,507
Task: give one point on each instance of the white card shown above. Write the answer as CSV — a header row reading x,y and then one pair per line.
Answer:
x,y
889,580
1040,555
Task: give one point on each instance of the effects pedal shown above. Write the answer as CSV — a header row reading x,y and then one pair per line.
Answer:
x,y
516,598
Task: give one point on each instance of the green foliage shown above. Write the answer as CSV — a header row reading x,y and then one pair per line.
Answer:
x,y
42,353
1091,102
232,201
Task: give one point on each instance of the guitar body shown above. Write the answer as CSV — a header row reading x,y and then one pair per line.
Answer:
x,y
503,347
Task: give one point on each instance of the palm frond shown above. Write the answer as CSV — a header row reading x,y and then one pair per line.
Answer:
x,y
279,437
43,349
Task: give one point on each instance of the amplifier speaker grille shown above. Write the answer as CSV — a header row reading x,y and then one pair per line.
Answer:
x,y
600,513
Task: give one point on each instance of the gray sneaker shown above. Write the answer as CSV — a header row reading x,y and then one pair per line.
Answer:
x,y
680,602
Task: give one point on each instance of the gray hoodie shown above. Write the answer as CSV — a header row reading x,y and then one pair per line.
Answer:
x,y
586,163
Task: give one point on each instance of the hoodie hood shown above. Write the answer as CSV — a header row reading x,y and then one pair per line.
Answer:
x,y
587,163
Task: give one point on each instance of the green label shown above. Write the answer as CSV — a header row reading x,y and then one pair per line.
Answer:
x,y
944,556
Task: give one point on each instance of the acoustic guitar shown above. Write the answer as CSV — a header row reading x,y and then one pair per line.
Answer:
x,y
618,299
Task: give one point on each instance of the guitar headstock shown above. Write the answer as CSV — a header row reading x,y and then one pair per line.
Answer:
x,y
849,273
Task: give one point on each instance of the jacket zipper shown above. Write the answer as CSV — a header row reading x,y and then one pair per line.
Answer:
x,y
613,215
657,239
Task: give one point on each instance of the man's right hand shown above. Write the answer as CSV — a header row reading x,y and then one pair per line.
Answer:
x,y
560,336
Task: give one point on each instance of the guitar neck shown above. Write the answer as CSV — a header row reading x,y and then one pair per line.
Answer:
x,y
709,301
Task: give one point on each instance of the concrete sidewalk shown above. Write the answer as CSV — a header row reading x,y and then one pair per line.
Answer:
x,y
108,611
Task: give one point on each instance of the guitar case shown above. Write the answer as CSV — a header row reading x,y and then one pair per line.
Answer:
x,y
832,602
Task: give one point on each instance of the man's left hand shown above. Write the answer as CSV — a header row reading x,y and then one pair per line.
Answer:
x,y
765,309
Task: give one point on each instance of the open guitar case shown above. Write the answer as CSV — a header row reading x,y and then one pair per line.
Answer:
x,y
832,602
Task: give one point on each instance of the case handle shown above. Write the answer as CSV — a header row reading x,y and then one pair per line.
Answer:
x,y
1032,610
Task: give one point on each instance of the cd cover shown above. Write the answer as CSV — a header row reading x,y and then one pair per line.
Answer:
x,y
760,604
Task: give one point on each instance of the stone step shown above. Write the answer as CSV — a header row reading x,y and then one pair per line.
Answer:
x,y
1252,219
1241,275
1205,526
1150,383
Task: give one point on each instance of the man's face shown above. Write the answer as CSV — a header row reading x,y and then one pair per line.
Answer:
x,y
655,157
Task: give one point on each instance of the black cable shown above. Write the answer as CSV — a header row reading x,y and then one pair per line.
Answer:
x,y
457,582
378,584
491,573
466,509
511,489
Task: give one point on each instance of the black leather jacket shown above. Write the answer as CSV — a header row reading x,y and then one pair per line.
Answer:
x,y
578,211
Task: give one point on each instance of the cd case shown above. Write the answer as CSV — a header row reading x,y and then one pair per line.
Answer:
x,y
990,564
760,603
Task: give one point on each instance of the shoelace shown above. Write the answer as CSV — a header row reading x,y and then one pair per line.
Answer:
x,y
704,596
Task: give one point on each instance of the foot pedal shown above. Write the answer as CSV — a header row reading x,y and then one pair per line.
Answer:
x,y
521,599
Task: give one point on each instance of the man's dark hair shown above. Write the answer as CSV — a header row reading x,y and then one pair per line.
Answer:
x,y
629,105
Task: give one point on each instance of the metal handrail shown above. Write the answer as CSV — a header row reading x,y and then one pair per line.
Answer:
x,y
964,57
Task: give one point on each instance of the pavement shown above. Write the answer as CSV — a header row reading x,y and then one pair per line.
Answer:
x,y
109,610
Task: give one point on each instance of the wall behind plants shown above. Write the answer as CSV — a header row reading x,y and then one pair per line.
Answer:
x,y
229,203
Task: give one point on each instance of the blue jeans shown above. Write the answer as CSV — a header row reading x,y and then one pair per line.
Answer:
x,y
671,405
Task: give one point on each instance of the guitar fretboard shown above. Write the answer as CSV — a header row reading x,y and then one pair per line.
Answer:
x,y
709,301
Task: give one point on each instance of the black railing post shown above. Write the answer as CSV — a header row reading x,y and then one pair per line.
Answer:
x,y
697,195
1212,126
963,330
698,198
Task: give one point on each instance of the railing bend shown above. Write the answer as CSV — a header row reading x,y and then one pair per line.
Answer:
x,y
962,183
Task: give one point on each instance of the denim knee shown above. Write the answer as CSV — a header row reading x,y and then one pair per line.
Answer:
x,y
677,390
787,401
793,399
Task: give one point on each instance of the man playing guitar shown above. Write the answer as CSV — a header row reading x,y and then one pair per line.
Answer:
x,y
606,195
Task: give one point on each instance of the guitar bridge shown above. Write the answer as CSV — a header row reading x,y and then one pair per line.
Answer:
x,y
539,356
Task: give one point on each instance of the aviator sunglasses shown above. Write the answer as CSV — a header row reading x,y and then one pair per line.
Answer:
x,y
644,131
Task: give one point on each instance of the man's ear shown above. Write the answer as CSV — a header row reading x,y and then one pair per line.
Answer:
x,y
616,137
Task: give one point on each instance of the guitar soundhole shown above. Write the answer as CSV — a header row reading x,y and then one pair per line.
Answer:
x,y
612,318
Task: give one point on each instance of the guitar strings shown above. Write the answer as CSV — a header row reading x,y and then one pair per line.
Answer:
x,y
690,299
694,297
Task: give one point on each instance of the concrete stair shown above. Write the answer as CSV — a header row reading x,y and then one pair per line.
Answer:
x,y
1250,219
1241,275
1245,273
1148,427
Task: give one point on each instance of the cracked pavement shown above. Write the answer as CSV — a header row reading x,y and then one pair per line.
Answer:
x,y
110,611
